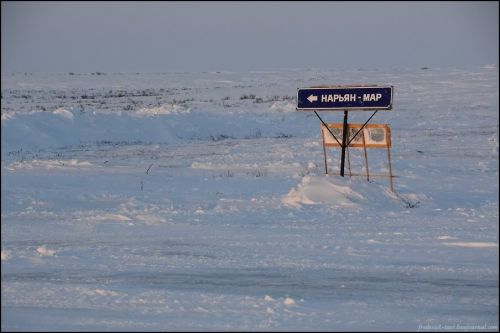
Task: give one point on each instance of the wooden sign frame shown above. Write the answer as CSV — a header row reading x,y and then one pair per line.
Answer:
x,y
359,137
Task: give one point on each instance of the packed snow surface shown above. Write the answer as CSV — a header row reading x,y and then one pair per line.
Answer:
x,y
198,201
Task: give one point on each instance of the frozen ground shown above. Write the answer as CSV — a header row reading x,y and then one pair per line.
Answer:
x,y
197,201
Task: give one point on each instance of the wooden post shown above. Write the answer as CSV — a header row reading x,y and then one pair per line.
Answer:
x,y
390,168
349,162
326,164
366,155
324,150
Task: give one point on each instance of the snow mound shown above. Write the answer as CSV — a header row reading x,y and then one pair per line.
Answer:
x,y
321,191
283,106
64,113
5,255
6,116
45,252
100,292
162,110
49,165
472,244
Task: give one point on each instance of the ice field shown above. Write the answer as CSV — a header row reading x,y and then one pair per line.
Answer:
x,y
198,201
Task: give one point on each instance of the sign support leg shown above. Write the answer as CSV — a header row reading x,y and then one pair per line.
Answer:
x,y
344,144
366,156
349,162
390,168
324,154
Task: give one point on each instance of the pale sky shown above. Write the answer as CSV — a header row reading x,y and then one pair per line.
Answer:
x,y
200,36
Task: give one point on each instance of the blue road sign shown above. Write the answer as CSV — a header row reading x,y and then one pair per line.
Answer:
x,y
345,98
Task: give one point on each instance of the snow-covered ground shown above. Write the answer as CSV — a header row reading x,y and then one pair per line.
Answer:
x,y
197,201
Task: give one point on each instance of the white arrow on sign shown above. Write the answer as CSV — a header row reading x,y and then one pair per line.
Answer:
x,y
312,98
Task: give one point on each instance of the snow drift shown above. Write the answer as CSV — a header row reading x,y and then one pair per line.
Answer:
x,y
318,190
165,124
